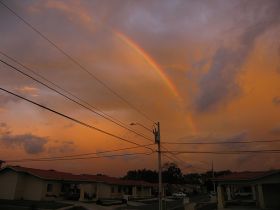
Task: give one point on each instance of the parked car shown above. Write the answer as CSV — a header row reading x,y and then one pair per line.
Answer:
x,y
179,195
212,195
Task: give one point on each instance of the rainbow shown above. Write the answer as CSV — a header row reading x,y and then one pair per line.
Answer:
x,y
150,61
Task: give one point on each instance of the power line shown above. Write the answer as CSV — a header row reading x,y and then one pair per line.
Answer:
x,y
78,155
57,86
69,98
223,142
183,163
77,63
175,158
222,152
73,119
79,158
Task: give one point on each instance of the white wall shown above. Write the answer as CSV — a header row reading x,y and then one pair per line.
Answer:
x,y
8,181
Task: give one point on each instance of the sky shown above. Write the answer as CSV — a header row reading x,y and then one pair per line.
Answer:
x,y
208,71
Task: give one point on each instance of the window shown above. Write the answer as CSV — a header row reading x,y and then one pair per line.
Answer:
x,y
65,187
119,189
49,187
112,189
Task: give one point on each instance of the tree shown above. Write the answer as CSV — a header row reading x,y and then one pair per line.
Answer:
x,y
142,174
172,173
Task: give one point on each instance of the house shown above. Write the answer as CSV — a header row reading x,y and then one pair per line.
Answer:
x,y
260,189
18,182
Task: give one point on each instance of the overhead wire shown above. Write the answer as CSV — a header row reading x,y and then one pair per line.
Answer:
x,y
178,160
73,119
76,62
79,155
79,158
69,98
222,142
222,152
57,86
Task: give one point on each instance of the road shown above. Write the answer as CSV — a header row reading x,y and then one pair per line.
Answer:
x,y
153,204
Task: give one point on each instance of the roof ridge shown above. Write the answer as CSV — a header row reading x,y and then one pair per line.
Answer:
x,y
50,174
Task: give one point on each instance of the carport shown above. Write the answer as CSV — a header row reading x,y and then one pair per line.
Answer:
x,y
260,189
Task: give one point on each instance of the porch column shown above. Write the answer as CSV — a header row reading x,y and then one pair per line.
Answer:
x,y
82,192
260,197
134,191
228,193
97,190
254,192
221,197
150,192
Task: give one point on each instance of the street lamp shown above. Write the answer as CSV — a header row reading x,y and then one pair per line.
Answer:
x,y
136,123
156,132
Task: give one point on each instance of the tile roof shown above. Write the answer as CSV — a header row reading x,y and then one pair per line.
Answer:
x,y
246,175
57,175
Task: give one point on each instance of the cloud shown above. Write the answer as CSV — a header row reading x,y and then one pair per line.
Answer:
x,y
5,98
220,83
275,130
30,143
4,128
62,147
3,125
33,91
276,100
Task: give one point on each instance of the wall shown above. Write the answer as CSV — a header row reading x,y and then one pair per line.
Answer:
x,y
54,194
146,192
88,189
8,180
33,188
103,190
271,193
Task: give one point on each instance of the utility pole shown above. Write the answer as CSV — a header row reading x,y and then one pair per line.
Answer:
x,y
213,176
156,132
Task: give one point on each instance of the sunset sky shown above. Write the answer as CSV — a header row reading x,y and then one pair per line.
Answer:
x,y
208,71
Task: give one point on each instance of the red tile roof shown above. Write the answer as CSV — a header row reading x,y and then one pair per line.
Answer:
x,y
246,175
57,175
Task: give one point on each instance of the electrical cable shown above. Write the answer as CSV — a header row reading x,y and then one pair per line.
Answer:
x,y
76,62
68,98
73,119
79,158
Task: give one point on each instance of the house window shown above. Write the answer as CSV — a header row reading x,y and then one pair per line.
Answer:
x,y
119,189
49,187
112,189
64,187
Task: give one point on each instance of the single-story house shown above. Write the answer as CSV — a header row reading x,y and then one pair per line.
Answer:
x,y
260,189
18,182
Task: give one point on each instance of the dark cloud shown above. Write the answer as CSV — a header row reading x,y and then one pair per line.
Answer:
x,y
275,130
276,100
30,143
239,137
62,147
4,99
3,125
220,83
4,129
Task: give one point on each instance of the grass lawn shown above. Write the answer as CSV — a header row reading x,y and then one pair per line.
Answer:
x,y
24,204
